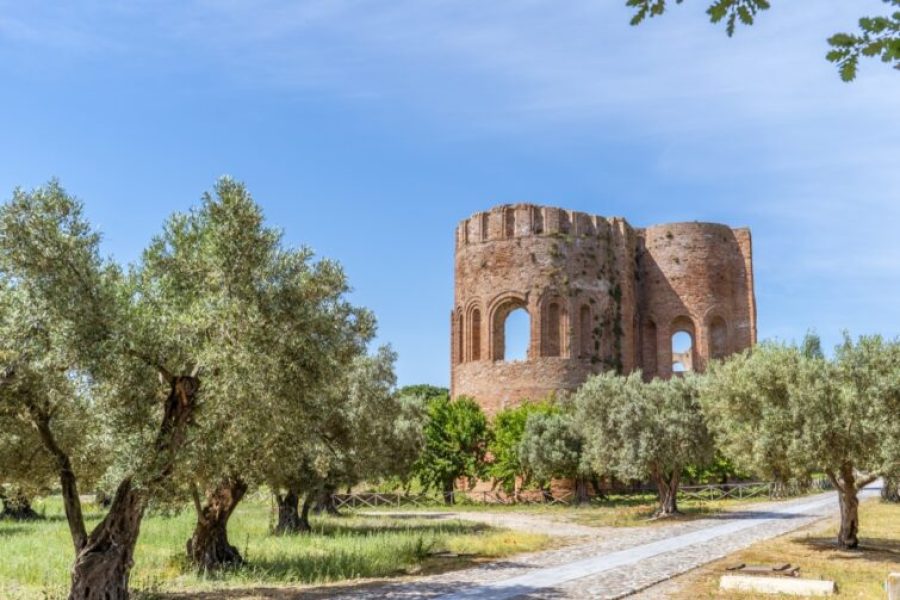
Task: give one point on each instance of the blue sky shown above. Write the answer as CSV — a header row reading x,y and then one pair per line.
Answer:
x,y
367,130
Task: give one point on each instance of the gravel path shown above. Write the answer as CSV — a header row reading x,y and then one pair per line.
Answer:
x,y
596,562
604,562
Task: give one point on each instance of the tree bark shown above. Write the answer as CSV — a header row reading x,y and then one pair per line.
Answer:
x,y
667,486
208,547
890,491
67,480
103,565
17,507
304,511
289,518
104,559
449,499
325,501
598,489
581,492
845,483
779,489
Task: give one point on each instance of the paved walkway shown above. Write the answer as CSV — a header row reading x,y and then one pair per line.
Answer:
x,y
614,563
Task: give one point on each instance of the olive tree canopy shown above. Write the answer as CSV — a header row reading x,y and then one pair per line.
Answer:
x,y
637,430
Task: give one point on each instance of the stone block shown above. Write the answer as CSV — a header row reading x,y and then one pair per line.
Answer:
x,y
777,585
893,586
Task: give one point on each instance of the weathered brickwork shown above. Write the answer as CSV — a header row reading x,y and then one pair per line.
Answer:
x,y
600,295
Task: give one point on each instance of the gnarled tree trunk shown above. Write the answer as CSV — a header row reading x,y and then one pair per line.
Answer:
x,y
890,491
103,565
17,507
289,518
304,511
848,495
849,532
208,547
667,487
104,559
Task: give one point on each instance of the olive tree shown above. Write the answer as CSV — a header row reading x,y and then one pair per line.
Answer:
x,y
788,411
890,490
749,404
552,447
847,420
368,432
76,327
35,374
273,329
638,430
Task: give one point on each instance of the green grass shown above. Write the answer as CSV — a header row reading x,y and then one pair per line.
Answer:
x,y
35,558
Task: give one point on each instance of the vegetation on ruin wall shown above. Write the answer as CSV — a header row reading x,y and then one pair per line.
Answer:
x,y
605,269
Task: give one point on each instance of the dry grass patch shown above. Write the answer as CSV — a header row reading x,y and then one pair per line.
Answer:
x,y
859,574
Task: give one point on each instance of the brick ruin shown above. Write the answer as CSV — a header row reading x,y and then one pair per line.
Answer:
x,y
599,294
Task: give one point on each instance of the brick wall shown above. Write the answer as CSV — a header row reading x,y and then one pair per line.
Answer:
x,y
600,295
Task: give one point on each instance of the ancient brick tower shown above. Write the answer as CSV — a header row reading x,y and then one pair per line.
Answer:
x,y
599,295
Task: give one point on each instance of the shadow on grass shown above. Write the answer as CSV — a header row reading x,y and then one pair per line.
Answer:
x,y
342,549
11,530
870,549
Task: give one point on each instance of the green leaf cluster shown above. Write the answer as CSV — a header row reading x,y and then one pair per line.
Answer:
x,y
456,442
634,429
507,465
877,37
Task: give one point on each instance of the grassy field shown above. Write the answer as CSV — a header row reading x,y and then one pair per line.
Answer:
x,y
35,557
858,574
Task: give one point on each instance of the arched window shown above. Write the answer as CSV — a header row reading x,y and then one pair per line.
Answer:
x,y
510,218
517,335
475,333
682,345
718,338
585,335
510,330
551,329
